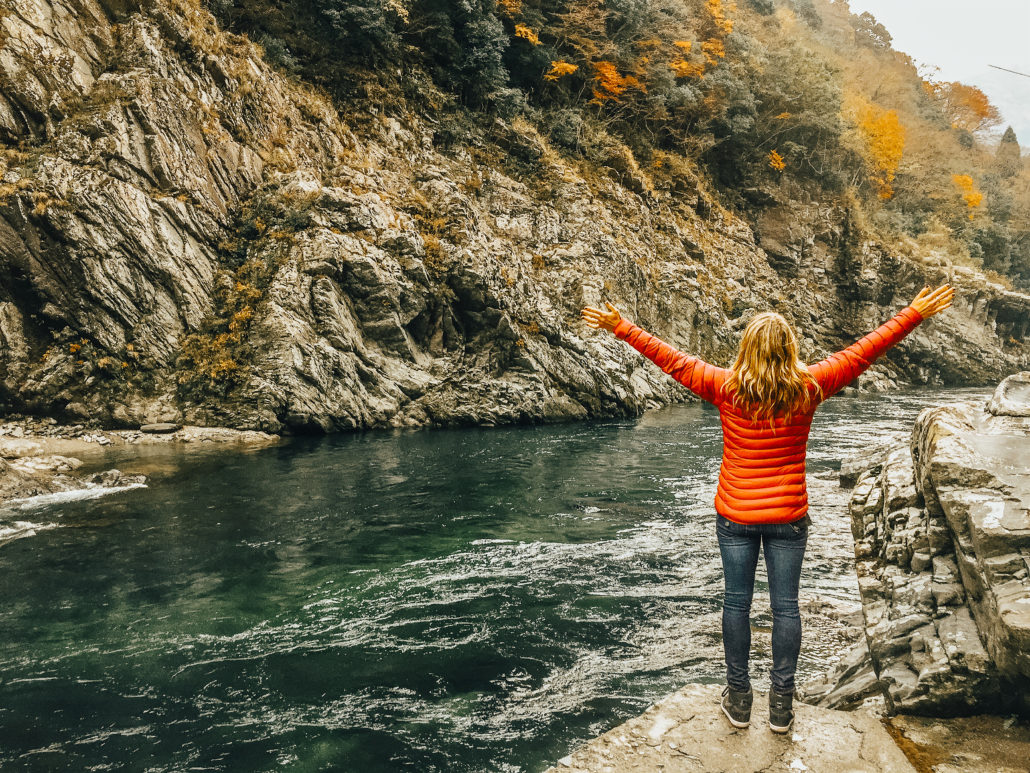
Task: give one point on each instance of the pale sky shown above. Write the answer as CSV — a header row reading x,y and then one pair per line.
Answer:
x,y
962,37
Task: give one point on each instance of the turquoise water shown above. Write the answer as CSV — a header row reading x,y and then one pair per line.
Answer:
x,y
445,600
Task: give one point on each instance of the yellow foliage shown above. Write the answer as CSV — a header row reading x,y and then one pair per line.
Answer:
x,y
560,69
683,45
885,143
522,31
783,116
610,84
776,161
510,8
713,50
685,69
397,6
715,10
970,194
240,318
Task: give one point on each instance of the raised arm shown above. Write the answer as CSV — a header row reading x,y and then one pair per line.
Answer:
x,y
840,369
701,378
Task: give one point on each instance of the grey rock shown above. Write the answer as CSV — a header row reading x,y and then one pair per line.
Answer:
x,y
943,564
160,427
687,731
1012,397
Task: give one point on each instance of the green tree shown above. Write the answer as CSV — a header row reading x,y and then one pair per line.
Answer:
x,y
1008,156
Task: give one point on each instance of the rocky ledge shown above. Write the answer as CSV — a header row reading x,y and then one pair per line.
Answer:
x,y
687,732
942,542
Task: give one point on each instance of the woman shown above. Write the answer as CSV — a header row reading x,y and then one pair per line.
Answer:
x,y
766,401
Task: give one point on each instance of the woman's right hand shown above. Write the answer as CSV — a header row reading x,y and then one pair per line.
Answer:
x,y
929,303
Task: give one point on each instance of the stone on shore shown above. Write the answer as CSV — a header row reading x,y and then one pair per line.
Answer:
x,y
160,427
687,731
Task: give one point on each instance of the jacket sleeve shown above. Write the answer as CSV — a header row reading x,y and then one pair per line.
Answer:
x,y
695,374
840,369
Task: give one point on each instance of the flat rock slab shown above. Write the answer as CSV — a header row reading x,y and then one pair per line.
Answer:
x,y
687,731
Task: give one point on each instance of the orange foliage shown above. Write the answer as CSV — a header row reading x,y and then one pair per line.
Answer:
x,y
715,10
685,69
510,8
610,84
776,161
583,32
522,31
885,142
965,107
560,69
970,194
713,48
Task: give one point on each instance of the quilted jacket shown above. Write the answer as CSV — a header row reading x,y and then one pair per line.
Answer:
x,y
762,476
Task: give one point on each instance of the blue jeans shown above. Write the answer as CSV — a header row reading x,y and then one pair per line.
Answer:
x,y
784,550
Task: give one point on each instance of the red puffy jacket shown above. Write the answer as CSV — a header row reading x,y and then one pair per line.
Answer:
x,y
762,477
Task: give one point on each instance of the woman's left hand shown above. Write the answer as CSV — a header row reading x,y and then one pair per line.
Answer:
x,y
606,319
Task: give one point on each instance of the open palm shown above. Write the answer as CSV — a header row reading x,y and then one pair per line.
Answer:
x,y
929,303
606,319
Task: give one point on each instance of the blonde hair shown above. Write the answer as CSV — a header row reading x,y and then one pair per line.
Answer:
x,y
768,377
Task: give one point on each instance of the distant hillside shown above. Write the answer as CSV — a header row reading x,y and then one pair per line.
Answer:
x,y
770,99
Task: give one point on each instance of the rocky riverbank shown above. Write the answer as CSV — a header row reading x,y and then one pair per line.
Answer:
x,y
942,544
40,456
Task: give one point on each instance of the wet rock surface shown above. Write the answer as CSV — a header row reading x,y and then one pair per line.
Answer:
x,y
22,479
40,456
688,732
193,238
942,542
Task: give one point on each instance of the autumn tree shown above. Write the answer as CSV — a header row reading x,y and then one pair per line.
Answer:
x,y
884,138
962,106
967,187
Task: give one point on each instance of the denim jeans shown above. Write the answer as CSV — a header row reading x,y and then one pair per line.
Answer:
x,y
784,550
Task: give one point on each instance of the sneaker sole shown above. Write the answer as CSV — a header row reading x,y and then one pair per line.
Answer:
x,y
735,723
778,729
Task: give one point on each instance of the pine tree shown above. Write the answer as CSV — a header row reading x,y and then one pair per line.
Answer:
x,y
1007,159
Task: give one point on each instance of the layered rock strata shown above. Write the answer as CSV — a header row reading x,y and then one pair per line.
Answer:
x,y
942,544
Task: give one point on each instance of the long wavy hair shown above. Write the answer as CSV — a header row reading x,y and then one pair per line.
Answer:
x,y
768,378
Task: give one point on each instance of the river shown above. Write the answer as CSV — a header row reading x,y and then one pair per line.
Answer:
x,y
478,599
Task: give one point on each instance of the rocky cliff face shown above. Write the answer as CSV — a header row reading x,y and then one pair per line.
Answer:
x,y
942,538
186,235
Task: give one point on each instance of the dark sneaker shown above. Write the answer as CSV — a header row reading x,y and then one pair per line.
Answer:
x,y
781,714
737,706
